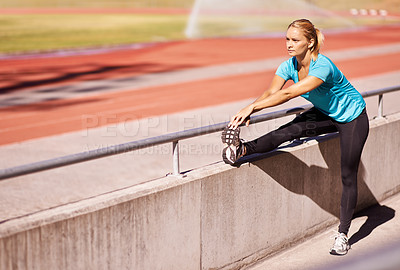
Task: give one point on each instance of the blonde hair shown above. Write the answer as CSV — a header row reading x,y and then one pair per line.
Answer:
x,y
310,32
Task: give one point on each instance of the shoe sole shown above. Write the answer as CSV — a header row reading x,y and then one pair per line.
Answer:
x,y
231,136
334,252
337,254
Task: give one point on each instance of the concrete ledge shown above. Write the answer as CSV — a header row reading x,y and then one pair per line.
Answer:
x,y
216,217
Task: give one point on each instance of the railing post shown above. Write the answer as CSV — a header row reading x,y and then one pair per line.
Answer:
x,y
380,106
175,157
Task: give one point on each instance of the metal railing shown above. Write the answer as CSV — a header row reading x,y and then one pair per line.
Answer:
x,y
173,138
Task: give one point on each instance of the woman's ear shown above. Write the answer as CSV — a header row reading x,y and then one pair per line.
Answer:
x,y
311,43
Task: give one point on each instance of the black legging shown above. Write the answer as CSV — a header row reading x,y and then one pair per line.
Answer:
x,y
352,139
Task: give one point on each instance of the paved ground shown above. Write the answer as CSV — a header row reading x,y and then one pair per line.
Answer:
x,y
375,230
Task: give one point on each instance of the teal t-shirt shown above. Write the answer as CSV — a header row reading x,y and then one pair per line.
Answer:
x,y
335,97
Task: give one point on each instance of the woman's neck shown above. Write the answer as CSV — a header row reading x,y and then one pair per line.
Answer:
x,y
303,61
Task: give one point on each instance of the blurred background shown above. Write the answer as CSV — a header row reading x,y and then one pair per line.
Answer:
x,y
43,25
134,67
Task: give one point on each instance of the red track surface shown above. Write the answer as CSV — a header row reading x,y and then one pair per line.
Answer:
x,y
21,123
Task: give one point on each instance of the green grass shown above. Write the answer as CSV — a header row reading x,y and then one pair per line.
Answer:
x,y
343,5
41,32
95,3
26,33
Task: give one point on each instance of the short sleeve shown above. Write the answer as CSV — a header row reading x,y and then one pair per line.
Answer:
x,y
321,69
283,71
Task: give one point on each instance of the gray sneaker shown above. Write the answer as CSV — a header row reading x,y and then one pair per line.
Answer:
x,y
341,245
233,147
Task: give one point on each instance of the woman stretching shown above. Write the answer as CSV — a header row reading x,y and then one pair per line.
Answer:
x,y
338,107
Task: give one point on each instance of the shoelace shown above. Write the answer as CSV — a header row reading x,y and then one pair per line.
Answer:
x,y
340,239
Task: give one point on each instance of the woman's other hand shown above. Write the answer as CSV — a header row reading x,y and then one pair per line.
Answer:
x,y
242,116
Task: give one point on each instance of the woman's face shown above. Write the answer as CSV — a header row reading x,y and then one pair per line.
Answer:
x,y
296,43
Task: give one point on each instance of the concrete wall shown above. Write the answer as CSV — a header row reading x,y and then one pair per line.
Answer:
x,y
216,217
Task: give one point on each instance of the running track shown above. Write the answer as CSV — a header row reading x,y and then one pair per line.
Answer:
x,y
20,123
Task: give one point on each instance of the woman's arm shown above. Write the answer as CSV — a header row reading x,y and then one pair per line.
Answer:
x,y
276,97
276,84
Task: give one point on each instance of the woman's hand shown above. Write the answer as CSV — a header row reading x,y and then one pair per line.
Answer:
x,y
242,116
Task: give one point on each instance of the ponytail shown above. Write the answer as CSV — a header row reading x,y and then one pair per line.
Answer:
x,y
311,33
319,41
